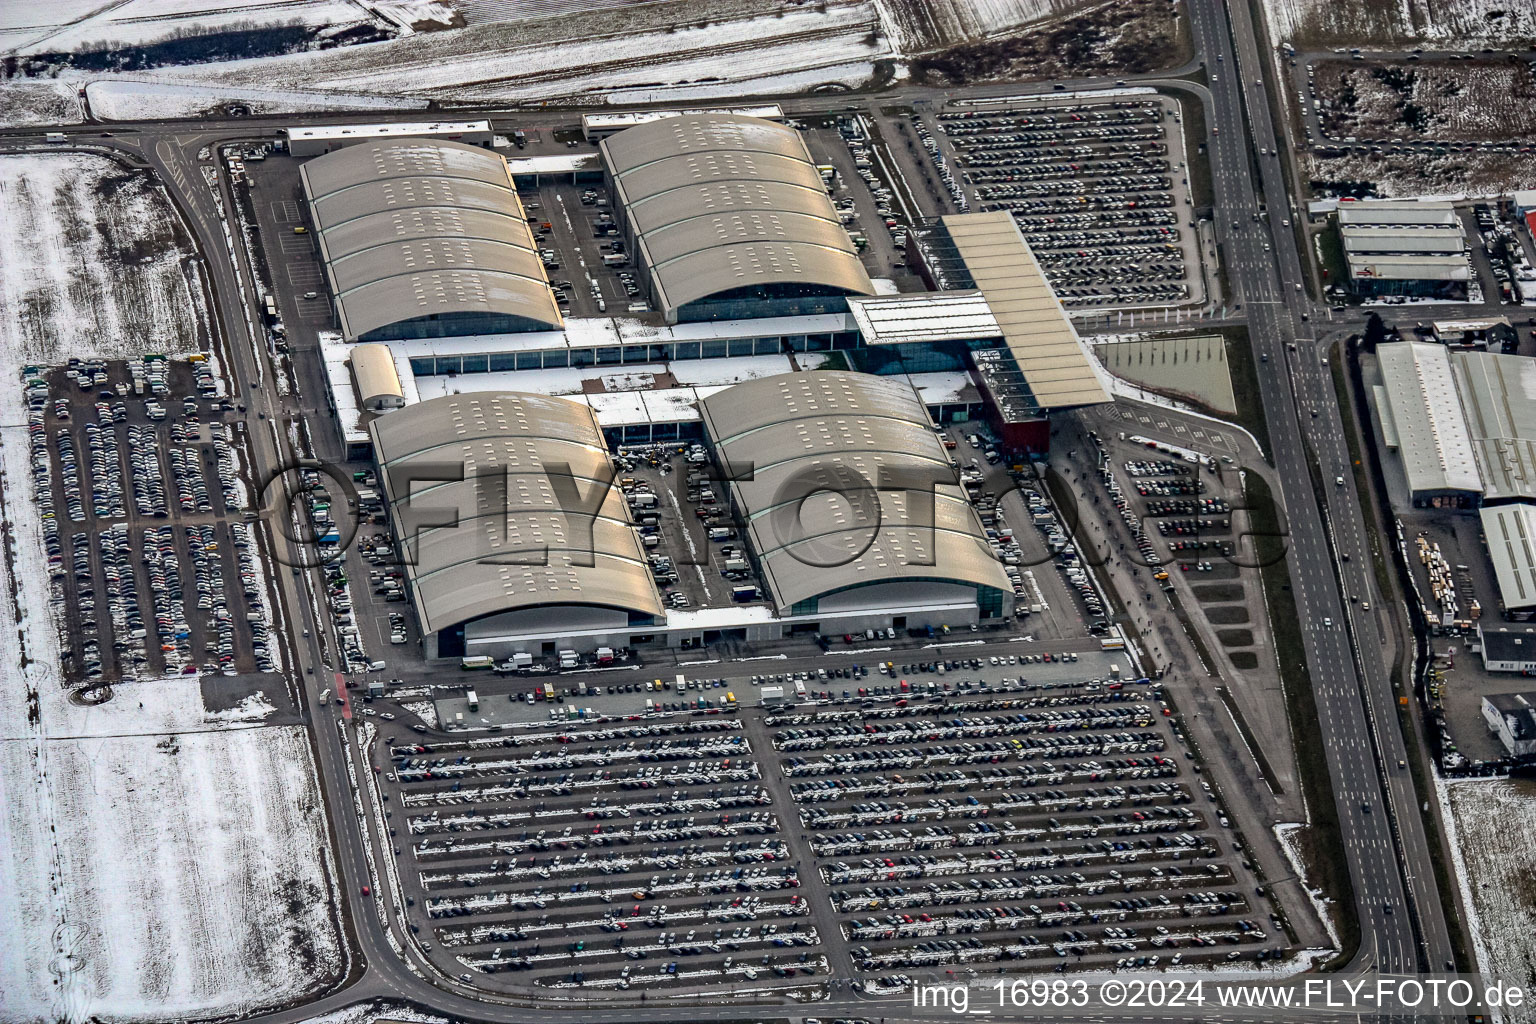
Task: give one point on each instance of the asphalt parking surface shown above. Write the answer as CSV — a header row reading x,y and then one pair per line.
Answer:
x,y
877,837
1097,188
153,565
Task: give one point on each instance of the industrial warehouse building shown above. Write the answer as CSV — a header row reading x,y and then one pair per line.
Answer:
x,y
854,520
1464,428
1510,533
507,554
1495,392
1405,247
1420,417
452,352
426,247
425,239
850,502
1512,718
729,217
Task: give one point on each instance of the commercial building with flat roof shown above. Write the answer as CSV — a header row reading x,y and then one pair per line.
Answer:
x,y
1507,650
501,552
1510,533
1405,247
325,138
1512,718
729,217
424,238
1496,397
1493,333
850,502
1427,423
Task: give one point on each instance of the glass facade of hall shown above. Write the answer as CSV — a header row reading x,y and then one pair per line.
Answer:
x,y
453,325
615,355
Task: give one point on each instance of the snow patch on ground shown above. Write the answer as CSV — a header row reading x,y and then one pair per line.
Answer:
x,y
156,861
373,1012
648,47
254,708
424,710
921,25
25,103
118,99
193,869
1451,24
114,26
69,225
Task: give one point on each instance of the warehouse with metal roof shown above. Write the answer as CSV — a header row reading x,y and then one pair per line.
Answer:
x,y
1404,247
508,526
1423,421
850,502
730,218
425,238
1496,401
1510,532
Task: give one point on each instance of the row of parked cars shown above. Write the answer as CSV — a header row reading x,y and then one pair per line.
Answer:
x,y
636,854
162,637
1092,187
982,828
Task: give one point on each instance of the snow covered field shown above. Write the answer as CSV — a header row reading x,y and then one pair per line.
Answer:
x,y
119,99
156,860
1495,861
928,24
1473,174
62,26
24,103
69,223
698,47
1379,23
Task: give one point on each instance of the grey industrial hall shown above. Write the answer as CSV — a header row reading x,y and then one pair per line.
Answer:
x,y
510,530
730,218
423,238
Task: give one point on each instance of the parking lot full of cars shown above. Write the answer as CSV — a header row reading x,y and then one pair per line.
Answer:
x,y
1094,191
123,451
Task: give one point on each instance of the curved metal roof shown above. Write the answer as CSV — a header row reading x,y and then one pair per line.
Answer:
x,y
383,159
520,540
717,202
699,133
682,237
714,198
681,170
397,259
364,199
411,228
405,223
837,472
373,367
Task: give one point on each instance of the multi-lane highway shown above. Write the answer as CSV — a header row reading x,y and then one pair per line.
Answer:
x,y
1402,924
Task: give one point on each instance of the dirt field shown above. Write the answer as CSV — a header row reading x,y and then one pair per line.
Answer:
x,y
1449,23
1386,176
1495,860
1120,37
1443,100
924,25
